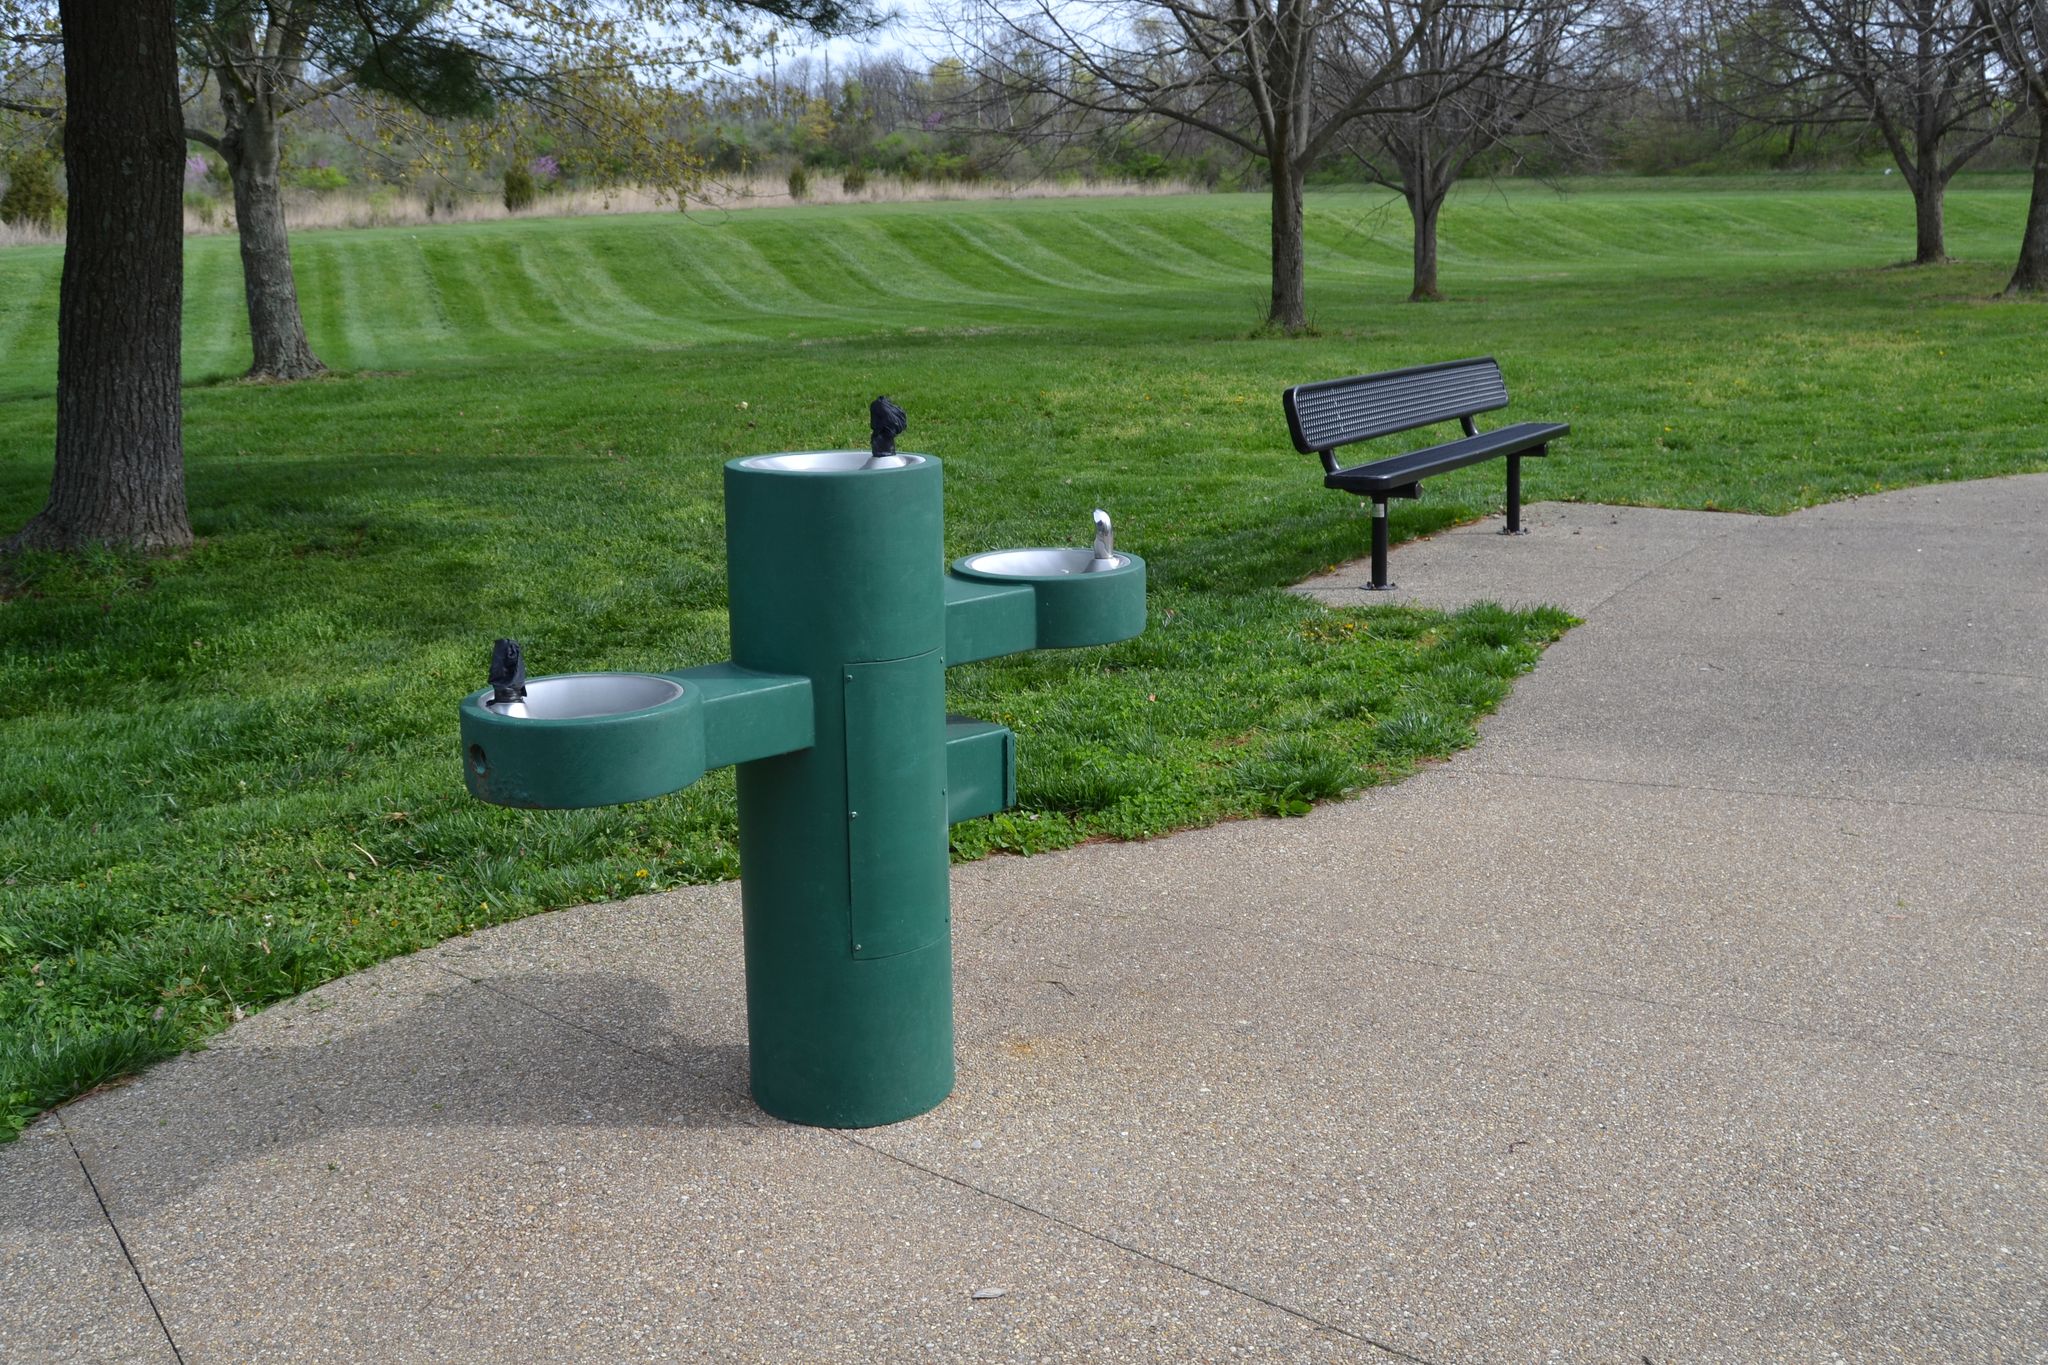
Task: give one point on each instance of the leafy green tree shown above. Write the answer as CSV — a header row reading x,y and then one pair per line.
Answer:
x,y
31,198
520,191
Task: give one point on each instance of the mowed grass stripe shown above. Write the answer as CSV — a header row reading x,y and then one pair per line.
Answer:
x,y
1202,232
951,253
527,295
471,310
1138,247
695,291
1050,250
28,322
427,314
216,320
362,300
390,304
597,278
750,265
818,287
895,276
561,281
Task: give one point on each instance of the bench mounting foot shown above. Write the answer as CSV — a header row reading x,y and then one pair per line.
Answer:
x,y
1512,531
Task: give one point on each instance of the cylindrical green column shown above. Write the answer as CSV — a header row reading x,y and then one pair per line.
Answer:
x,y
835,572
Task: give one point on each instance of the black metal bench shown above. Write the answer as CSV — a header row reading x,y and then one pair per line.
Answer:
x,y
1336,412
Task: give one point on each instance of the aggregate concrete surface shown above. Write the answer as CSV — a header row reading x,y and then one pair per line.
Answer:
x,y
1696,1014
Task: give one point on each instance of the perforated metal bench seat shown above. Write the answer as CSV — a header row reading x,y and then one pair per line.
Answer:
x,y
1332,413
1391,476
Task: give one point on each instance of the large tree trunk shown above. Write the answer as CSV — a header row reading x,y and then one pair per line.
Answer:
x,y
250,145
1289,311
1424,205
120,468
2032,275
1929,246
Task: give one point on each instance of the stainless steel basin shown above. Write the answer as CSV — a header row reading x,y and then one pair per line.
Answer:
x,y
1041,563
829,461
575,696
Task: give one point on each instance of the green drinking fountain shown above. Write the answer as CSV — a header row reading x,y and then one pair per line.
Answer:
x,y
833,709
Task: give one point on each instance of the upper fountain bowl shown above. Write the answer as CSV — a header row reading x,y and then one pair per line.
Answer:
x,y
828,462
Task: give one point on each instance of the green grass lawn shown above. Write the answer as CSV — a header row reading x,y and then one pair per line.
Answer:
x,y
229,776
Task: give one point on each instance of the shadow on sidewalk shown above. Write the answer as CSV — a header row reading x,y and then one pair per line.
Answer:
x,y
541,1051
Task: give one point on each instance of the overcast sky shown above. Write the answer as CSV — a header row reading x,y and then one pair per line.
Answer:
x,y
908,33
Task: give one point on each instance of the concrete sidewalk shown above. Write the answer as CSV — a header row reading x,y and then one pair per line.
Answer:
x,y
1697,1014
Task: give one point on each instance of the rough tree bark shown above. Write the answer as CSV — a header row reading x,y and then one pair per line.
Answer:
x,y
1424,205
2019,34
2032,275
1930,186
1930,244
277,333
1289,309
120,468
1427,172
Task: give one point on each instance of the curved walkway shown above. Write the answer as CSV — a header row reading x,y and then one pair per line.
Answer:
x,y
1697,1014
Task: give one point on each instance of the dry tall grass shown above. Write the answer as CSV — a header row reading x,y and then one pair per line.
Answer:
x,y
13,235
395,208
398,208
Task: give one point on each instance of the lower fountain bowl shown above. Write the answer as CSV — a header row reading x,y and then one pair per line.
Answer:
x,y
1076,602
583,739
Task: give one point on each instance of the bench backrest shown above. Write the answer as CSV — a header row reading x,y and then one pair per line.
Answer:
x,y
1336,412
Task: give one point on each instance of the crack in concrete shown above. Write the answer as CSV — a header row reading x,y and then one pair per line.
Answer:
x,y
485,984
1842,666
119,1240
1475,766
1569,988
1105,1239
1719,538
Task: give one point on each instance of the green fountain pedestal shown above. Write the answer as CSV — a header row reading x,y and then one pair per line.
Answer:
x,y
833,708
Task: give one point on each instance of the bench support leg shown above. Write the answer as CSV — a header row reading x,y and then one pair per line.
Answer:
x,y
1379,547
1514,526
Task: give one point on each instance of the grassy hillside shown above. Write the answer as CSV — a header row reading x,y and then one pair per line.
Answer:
x,y
226,777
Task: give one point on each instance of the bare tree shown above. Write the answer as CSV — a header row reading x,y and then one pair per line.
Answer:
x,y
1256,74
1477,72
2019,28
119,477
1920,71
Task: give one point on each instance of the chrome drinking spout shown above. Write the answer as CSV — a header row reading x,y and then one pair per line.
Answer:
x,y
1105,544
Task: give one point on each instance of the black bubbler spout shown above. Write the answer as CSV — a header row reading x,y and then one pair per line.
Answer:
x,y
508,672
885,423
